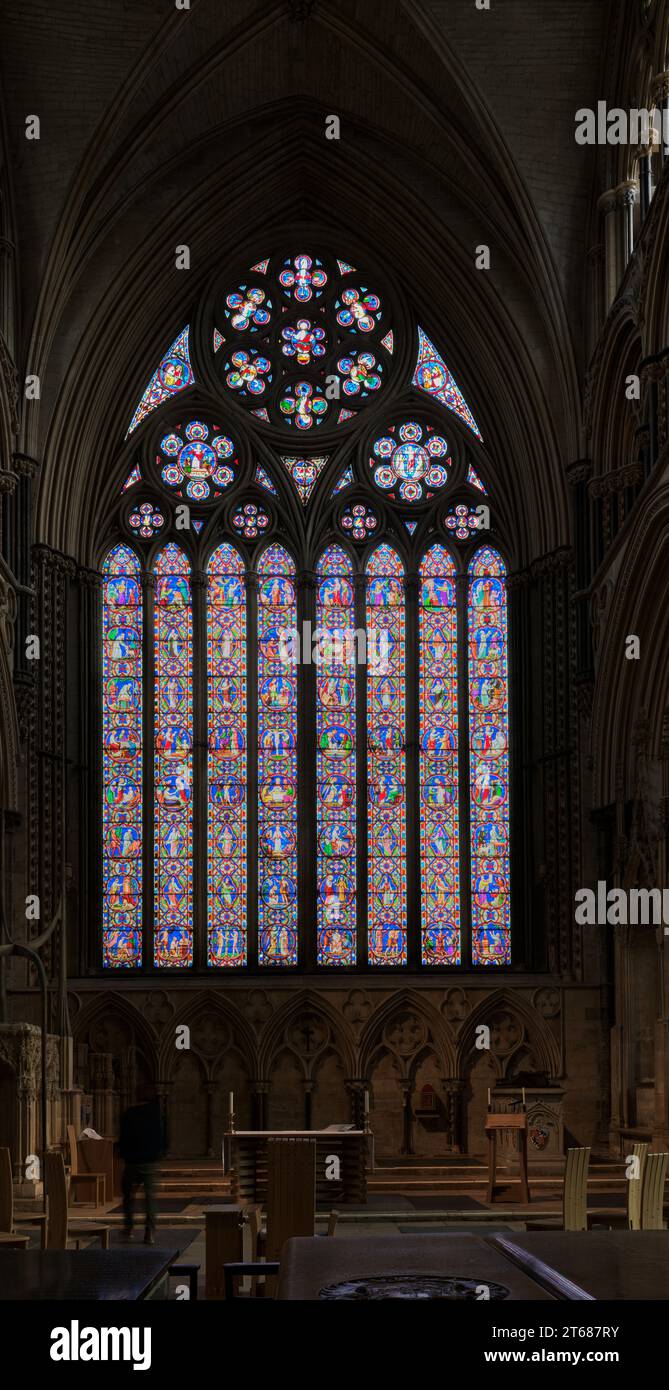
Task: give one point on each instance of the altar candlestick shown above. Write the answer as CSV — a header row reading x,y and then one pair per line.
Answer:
x,y
523,1095
488,1097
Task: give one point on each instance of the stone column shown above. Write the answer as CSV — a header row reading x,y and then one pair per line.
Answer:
x,y
661,97
627,197
406,1088
259,1092
102,1087
607,206
644,157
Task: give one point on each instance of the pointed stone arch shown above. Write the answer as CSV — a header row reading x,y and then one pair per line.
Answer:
x,y
273,1038
411,1002
199,1008
533,1025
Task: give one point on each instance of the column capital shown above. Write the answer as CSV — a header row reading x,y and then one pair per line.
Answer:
x,y
89,579
660,86
25,465
607,203
627,193
8,483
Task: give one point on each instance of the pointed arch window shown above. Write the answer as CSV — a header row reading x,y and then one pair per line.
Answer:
x,y
173,760
271,801
386,764
227,943
122,758
439,765
277,760
336,760
489,759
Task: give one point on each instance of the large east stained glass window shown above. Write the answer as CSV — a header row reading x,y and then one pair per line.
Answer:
x,y
439,773
489,759
386,759
226,759
265,499
277,759
122,759
336,759
173,760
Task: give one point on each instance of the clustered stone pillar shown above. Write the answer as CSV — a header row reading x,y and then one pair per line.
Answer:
x,y
661,98
617,208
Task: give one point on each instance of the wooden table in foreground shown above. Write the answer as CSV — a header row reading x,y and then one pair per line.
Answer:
x,y
603,1264
308,1265
247,1155
123,1275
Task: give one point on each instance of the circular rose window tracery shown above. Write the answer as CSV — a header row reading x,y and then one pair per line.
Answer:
x,y
303,341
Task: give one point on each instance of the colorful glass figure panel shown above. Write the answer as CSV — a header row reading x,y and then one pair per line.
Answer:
x,y
173,760
122,645
410,462
359,521
146,520
439,799
336,759
386,758
463,522
133,477
226,760
250,521
174,374
264,480
305,473
489,759
345,481
197,459
277,760
433,376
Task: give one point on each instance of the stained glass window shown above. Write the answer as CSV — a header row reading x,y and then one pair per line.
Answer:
x,y
174,374
411,462
336,759
277,759
305,473
122,759
433,376
439,786
489,759
173,760
386,758
276,336
226,759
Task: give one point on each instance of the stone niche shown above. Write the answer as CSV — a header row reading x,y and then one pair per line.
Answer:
x,y
20,1085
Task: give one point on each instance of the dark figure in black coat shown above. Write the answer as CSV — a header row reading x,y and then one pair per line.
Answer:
x,y
141,1146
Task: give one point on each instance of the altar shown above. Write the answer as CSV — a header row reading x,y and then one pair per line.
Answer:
x,y
342,1182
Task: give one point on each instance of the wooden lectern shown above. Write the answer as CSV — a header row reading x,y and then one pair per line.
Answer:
x,y
517,1123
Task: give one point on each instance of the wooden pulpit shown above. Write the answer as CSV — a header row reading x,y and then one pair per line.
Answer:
x,y
518,1125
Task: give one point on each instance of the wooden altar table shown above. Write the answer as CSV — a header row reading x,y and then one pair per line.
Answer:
x,y
247,1157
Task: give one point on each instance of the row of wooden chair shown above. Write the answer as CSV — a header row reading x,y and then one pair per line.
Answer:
x,y
57,1231
645,1194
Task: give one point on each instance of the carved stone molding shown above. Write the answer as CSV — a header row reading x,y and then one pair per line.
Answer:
x,y
11,379
627,476
554,563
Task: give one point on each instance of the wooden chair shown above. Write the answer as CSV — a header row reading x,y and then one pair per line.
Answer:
x,y
652,1195
61,1230
14,1241
291,1209
8,1224
631,1219
79,1179
291,1195
574,1196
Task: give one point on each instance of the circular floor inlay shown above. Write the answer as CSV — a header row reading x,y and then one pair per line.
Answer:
x,y
378,1286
